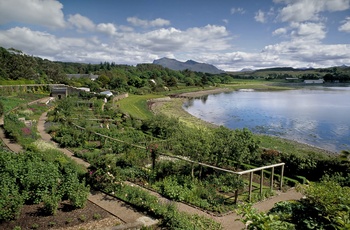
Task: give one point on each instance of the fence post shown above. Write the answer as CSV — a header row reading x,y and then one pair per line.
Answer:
x,y
271,179
281,182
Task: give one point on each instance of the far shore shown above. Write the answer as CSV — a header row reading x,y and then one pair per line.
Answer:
x,y
172,107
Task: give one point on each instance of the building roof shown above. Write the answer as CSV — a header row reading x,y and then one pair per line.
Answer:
x,y
107,93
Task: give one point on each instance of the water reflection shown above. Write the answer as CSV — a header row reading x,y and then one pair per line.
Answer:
x,y
316,116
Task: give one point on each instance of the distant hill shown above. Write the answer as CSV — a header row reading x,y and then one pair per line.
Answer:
x,y
190,65
247,70
276,69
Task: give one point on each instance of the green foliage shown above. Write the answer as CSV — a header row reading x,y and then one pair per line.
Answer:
x,y
233,146
11,199
51,203
200,194
326,206
38,177
15,65
171,217
255,220
161,126
329,202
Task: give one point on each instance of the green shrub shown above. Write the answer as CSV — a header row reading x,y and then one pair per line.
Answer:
x,y
11,201
38,177
51,203
301,179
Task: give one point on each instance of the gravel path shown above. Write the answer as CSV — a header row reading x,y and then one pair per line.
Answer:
x,y
131,217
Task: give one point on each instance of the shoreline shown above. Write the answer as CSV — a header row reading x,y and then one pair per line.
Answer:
x,y
201,93
173,107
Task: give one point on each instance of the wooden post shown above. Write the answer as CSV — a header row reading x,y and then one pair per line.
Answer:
x,y
236,196
281,182
236,192
271,179
250,186
261,182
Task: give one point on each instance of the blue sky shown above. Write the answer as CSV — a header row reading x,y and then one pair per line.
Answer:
x,y
232,34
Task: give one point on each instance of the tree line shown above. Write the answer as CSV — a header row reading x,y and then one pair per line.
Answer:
x,y
142,78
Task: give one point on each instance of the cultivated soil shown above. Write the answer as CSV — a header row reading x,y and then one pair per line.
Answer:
x,y
90,217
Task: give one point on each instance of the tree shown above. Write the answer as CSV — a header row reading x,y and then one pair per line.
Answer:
x,y
193,143
104,80
233,145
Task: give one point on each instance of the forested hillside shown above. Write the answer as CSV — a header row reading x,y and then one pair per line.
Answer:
x,y
143,78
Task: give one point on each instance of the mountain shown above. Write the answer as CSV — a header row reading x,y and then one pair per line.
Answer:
x,y
190,65
247,70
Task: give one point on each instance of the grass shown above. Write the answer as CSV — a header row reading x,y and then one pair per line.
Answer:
x,y
136,106
11,102
290,147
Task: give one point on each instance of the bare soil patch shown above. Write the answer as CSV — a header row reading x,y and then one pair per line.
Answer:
x,y
90,217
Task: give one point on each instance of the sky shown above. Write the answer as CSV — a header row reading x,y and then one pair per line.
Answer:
x,y
230,34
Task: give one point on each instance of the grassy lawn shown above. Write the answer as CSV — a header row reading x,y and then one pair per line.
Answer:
x,y
136,105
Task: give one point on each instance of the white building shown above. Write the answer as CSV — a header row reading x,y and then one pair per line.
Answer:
x,y
314,81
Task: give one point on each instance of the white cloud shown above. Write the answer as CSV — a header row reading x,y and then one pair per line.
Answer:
x,y
346,25
107,28
237,11
304,10
290,53
44,13
145,23
29,41
210,37
81,22
279,31
308,31
124,47
260,16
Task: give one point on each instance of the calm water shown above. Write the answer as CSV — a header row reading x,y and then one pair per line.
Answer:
x,y
319,116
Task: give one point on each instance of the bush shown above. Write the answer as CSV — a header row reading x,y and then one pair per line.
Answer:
x,y
38,177
51,203
11,201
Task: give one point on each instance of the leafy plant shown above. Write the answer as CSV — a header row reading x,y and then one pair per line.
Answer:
x,y
255,220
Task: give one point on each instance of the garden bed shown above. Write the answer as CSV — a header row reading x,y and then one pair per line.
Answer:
x,y
90,217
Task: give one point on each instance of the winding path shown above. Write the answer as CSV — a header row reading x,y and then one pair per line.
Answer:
x,y
130,217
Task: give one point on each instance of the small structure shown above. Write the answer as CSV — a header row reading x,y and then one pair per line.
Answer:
x,y
106,93
314,81
84,89
292,79
59,92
